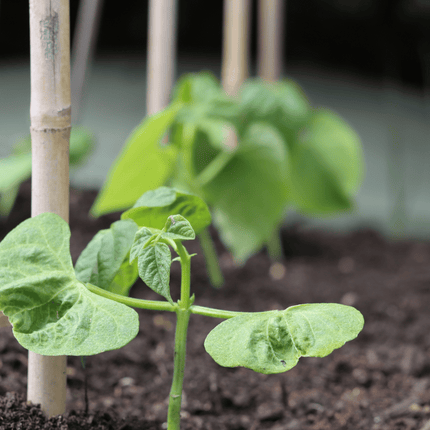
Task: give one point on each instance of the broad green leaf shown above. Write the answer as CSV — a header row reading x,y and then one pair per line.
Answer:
x,y
273,342
153,208
282,104
154,268
22,146
203,151
208,108
103,257
14,169
81,144
314,189
216,131
326,165
338,145
197,88
250,194
142,165
124,278
178,228
7,200
51,312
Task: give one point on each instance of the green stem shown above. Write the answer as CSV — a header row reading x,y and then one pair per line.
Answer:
x,y
213,168
274,246
214,313
212,264
185,301
135,303
175,398
183,313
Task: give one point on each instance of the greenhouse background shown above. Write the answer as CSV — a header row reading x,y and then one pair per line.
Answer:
x,y
336,51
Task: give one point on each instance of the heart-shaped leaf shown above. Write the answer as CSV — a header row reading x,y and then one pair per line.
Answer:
x,y
141,238
142,165
51,312
178,228
281,104
258,175
326,165
103,257
154,268
273,342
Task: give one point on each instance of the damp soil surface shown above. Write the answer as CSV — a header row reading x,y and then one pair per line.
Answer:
x,y
379,381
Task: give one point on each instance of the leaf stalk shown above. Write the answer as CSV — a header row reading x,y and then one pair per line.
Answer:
x,y
211,259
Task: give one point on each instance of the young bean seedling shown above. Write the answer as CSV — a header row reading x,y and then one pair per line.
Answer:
x,y
58,310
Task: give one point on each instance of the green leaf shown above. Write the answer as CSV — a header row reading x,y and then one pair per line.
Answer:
x,y
22,146
152,209
142,165
81,144
14,169
51,312
154,268
125,278
250,194
103,257
197,88
141,238
208,108
282,104
178,228
326,165
273,342
7,200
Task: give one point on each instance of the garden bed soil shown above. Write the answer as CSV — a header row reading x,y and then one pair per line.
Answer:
x,y
379,381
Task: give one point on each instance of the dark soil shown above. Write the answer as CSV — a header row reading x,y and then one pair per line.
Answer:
x,y
379,381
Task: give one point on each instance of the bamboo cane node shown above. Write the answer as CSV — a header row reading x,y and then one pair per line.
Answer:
x,y
50,129
57,121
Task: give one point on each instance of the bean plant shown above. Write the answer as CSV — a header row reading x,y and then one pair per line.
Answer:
x,y
58,309
251,159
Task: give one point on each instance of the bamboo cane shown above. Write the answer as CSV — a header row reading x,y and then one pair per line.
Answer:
x,y
84,42
161,54
50,114
269,59
270,38
235,44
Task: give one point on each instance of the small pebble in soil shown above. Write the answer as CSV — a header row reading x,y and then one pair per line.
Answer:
x,y
349,299
277,271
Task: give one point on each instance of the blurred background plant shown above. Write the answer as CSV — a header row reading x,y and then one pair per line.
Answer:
x,y
365,60
284,155
16,168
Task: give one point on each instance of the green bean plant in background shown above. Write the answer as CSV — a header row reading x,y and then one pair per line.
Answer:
x,y
56,309
16,168
251,159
